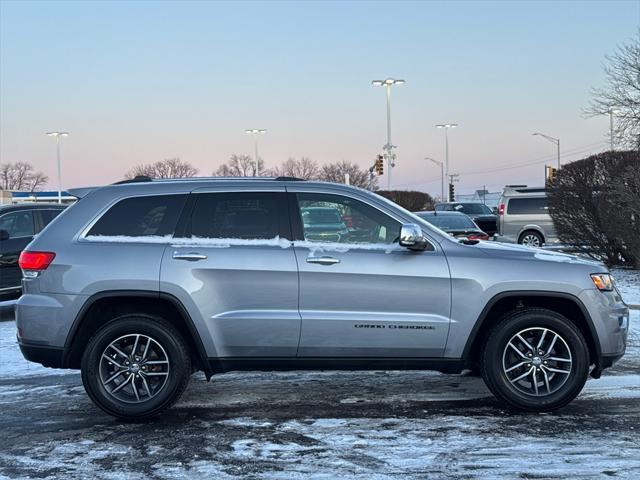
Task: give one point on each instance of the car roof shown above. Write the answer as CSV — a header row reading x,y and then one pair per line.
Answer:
x,y
31,206
144,185
441,213
523,190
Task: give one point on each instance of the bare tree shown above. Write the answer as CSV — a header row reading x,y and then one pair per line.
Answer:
x,y
239,166
335,172
621,94
411,200
169,168
594,206
304,168
21,176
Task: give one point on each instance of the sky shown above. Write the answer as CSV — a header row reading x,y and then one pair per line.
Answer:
x,y
138,82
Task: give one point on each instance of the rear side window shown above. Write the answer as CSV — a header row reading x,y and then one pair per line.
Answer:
x,y
141,217
528,206
242,215
48,216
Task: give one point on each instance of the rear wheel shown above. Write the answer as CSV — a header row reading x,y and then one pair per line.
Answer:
x,y
531,238
535,360
136,366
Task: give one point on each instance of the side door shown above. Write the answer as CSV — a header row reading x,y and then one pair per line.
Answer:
x,y
235,269
361,294
20,226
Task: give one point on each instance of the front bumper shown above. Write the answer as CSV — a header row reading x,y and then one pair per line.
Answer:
x,y
610,320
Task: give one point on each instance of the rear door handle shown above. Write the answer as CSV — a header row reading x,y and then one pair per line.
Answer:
x,y
191,256
324,260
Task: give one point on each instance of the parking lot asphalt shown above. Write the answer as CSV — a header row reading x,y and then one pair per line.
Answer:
x,y
325,425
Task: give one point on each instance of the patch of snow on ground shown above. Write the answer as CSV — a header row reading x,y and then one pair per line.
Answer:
x,y
628,284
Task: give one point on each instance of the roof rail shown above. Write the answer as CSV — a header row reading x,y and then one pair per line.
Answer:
x,y
289,179
136,179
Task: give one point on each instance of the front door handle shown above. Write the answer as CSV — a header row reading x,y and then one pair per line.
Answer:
x,y
324,260
191,256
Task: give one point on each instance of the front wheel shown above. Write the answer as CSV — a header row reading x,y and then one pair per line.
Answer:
x,y
136,366
535,360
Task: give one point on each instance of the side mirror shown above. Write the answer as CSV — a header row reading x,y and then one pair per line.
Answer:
x,y
4,235
411,237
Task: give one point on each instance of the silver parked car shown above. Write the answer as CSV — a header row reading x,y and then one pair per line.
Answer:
x,y
523,217
141,284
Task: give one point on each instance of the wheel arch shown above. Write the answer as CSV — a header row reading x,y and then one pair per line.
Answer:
x,y
564,303
102,306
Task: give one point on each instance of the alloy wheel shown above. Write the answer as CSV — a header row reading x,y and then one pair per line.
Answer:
x,y
134,368
537,361
531,240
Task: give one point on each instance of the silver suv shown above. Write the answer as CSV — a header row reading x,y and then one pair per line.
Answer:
x,y
523,217
141,284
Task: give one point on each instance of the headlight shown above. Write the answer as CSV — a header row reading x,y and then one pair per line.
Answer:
x,y
602,281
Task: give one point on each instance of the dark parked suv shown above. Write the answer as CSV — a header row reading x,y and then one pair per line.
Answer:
x,y
140,284
18,225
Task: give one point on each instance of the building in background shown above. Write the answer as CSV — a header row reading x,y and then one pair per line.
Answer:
x,y
35,197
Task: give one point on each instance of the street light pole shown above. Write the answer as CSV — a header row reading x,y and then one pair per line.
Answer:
x,y
388,148
612,111
552,140
441,164
446,127
255,132
58,135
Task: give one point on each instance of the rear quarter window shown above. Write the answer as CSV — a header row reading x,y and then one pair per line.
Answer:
x,y
528,206
155,215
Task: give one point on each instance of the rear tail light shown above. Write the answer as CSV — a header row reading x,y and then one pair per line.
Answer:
x,y
501,209
35,261
478,237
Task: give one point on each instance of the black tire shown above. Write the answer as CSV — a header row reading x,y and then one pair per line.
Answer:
x,y
531,236
493,355
171,344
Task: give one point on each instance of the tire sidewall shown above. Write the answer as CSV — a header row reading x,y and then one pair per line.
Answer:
x,y
497,380
168,338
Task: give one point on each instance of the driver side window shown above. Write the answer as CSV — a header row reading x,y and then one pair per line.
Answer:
x,y
338,219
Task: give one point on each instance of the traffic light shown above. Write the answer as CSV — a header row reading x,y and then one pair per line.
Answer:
x,y
452,193
379,165
549,174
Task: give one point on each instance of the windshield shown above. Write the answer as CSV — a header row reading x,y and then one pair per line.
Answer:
x,y
450,222
315,216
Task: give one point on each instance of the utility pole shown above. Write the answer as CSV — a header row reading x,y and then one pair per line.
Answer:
x,y
612,111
